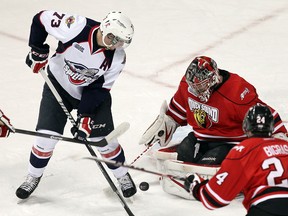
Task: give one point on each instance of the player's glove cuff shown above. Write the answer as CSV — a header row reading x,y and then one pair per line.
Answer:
x,y
37,58
83,128
5,125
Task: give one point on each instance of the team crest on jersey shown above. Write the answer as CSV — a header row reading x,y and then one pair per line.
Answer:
x,y
79,74
204,115
69,21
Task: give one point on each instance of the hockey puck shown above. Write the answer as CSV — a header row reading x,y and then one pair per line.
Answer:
x,y
144,186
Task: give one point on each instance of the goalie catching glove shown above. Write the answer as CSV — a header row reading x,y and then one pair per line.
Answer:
x,y
83,128
37,58
5,125
161,130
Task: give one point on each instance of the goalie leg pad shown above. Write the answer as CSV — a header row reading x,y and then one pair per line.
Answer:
x,y
181,169
164,154
169,153
174,186
205,171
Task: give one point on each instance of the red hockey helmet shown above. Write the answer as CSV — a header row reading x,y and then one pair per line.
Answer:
x,y
202,75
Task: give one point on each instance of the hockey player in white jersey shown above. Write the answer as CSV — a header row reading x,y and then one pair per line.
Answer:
x,y
89,58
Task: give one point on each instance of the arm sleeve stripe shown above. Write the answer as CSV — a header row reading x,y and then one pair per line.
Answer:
x,y
178,105
214,201
225,202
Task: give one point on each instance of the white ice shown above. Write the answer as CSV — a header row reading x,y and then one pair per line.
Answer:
x,y
248,37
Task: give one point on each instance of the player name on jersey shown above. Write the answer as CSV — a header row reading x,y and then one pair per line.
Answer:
x,y
273,150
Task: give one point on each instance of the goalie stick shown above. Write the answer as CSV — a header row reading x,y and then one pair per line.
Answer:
x,y
120,164
148,147
118,131
86,143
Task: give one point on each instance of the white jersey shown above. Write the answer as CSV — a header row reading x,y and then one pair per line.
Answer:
x,y
78,61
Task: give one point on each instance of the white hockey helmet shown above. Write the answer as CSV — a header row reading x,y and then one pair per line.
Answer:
x,y
118,28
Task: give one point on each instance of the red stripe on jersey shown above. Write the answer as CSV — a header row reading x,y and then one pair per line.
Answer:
x,y
41,154
113,153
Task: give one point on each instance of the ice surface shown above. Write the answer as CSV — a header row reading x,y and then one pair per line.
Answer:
x,y
248,37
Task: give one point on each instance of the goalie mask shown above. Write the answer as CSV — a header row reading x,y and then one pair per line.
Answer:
x,y
117,29
258,122
202,76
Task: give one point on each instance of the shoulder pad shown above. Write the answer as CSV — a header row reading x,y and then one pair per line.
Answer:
x,y
238,90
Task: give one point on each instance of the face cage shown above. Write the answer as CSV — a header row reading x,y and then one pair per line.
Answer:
x,y
202,90
116,41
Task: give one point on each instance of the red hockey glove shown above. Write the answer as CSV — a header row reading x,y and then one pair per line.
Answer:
x,y
83,128
5,125
37,58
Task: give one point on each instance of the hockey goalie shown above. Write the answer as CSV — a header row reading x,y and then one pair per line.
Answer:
x,y
213,102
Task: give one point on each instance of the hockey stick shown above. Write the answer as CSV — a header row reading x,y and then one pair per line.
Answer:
x,y
143,153
120,164
88,146
118,131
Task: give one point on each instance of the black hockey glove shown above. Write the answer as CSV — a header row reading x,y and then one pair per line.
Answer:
x,y
192,184
83,128
37,58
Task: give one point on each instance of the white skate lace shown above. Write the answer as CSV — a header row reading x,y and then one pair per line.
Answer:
x,y
30,183
125,182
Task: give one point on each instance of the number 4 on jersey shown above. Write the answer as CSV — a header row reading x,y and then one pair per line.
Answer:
x,y
221,177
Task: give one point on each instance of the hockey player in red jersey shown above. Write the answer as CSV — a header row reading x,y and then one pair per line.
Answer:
x,y
5,125
89,58
213,102
257,167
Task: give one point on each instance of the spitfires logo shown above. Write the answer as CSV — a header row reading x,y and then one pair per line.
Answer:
x,y
79,74
204,115
69,21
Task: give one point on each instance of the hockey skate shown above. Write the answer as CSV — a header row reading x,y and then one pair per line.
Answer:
x,y
27,188
127,185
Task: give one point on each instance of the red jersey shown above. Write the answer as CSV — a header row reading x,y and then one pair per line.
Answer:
x,y
220,119
258,167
